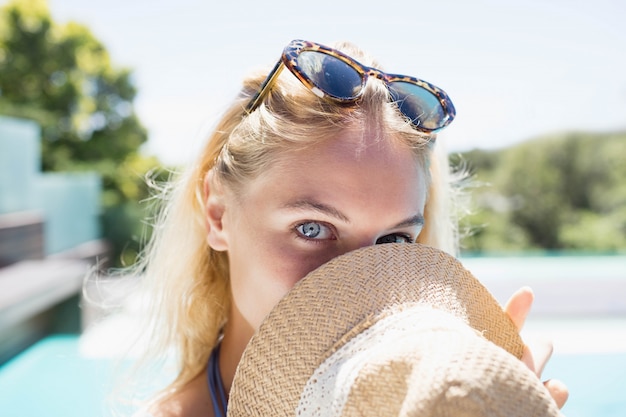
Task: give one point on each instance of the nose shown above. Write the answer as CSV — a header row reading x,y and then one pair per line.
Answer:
x,y
360,242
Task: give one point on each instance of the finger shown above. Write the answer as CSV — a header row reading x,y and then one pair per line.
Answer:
x,y
558,391
527,358
519,305
541,353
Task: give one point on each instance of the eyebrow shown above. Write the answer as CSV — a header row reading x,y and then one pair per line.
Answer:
x,y
319,207
416,220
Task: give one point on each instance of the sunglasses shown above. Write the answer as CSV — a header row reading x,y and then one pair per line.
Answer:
x,y
333,75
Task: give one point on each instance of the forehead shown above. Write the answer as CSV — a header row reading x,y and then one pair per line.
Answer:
x,y
353,149
358,163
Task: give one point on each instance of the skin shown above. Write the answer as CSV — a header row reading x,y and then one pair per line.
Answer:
x,y
344,193
307,208
536,358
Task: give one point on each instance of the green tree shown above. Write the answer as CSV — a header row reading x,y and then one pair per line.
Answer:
x,y
535,179
62,77
559,192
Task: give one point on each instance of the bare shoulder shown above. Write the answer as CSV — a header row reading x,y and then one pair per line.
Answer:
x,y
193,400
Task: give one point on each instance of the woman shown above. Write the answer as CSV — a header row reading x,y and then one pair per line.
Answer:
x,y
305,165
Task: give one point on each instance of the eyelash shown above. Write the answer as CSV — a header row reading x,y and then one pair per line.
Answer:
x,y
300,235
407,237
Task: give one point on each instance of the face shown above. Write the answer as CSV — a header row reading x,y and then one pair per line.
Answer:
x,y
313,205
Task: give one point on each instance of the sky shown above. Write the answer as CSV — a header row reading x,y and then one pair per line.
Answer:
x,y
515,69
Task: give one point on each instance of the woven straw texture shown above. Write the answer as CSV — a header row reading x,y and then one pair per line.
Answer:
x,y
339,300
419,362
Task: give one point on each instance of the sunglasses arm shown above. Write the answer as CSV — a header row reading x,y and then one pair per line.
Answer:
x,y
266,86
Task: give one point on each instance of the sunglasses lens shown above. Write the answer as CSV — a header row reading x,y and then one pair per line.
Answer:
x,y
331,75
421,106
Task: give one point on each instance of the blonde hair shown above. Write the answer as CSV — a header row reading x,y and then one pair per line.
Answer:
x,y
187,281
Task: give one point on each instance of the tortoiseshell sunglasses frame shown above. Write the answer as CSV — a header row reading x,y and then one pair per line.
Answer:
x,y
289,59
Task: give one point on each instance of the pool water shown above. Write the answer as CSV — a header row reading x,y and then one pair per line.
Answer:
x,y
596,382
52,379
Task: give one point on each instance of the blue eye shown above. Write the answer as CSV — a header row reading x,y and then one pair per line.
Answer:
x,y
394,238
314,230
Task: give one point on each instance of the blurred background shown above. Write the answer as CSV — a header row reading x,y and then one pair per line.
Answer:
x,y
96,97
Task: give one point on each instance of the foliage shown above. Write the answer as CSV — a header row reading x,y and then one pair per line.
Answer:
x,y
62,77
561,192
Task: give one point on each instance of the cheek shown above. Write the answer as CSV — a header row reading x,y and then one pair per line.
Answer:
x,y
264,266
294,263
280,263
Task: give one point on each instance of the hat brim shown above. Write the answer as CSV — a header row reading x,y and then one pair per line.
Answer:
x,y
338,300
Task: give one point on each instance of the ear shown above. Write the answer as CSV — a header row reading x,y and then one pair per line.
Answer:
x,y
215,208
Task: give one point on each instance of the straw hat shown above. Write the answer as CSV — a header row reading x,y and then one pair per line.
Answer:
x,y
387,330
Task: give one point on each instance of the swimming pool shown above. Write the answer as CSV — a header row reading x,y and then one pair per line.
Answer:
x,y
597,383
54,379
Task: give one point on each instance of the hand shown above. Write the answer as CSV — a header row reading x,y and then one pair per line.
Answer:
x,y
536,358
